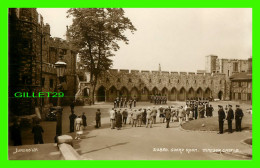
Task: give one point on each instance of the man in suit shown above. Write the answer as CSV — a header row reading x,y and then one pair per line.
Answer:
x,y
168,116
98,118
238,117
221,118
72,118
230,117
125,114
154,113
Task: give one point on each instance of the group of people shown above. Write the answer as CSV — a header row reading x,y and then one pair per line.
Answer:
x,y
122,102
199,109
147,116
228,114
77,123
158,99
16,135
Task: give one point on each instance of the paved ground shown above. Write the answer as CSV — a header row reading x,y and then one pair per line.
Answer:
x,y
140,143
47,151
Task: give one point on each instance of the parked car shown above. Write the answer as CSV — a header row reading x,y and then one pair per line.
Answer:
x,y
51,115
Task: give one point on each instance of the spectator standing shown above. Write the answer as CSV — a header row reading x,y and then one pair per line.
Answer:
x,y
37,130
98,118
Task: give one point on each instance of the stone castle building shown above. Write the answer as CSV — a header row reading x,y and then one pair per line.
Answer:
x,y
32,55
212,82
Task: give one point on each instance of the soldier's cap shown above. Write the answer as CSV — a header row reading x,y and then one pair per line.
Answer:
x,y
229,105
237,105
220,106
98,109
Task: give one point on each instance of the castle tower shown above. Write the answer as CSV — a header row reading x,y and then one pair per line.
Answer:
x,y
211,63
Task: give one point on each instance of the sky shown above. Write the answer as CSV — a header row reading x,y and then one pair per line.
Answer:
x,y
176,38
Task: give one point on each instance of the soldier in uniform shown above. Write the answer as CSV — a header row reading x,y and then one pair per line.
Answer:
x,y
72,117
238,117
221,118
230,117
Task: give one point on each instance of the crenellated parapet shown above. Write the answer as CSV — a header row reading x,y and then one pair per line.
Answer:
x,y
162,82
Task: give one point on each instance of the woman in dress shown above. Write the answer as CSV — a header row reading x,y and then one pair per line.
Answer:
x,y
79,127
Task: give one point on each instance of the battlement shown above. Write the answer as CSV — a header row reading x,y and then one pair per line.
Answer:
x,y
167,73
124,71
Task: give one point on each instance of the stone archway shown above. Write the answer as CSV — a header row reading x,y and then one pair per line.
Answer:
x,y
112,93
145,94
155,91
165,92
191,93
207,93
173,95
220,95
134,94
86,92
182,94
199,93
124,92
101,94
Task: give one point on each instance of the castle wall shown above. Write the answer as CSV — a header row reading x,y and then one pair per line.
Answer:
x,y
142,84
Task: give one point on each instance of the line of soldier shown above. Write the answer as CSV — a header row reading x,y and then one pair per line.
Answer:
x,y
229,115
158,99
121,102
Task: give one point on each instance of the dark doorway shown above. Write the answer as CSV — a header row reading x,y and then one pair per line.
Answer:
x,y
101,95
220,95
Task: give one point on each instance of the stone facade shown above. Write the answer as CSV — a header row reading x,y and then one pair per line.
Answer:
x,y
228,67
213,82
32,55
175,85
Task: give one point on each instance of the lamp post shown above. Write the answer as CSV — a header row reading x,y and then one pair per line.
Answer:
x,y
61,67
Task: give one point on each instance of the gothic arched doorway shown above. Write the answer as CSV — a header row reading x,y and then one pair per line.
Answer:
x,y
207,93
112,93
191,93
101,94
145,94
182,95
199,93
173,94
134,94
220,95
